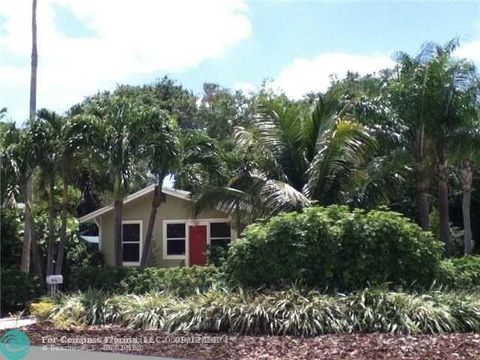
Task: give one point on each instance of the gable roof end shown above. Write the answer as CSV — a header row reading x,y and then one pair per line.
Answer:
x,y
181,194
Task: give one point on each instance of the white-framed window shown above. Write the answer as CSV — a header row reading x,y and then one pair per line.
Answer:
x,y
132,238
220,233
175,236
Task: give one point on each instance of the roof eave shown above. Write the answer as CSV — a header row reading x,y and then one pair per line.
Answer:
x,y
181,194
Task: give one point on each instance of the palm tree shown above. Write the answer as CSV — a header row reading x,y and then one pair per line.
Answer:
x,y
466,153
119,133
299,154
451,102
29,239
20,158
408,97
46,132
161,147
78,136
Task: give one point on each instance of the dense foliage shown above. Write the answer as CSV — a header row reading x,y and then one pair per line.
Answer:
x,y
334,248
178,280
17,290
291,312
460,273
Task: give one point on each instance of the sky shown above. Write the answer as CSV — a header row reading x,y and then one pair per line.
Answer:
x,y
92,45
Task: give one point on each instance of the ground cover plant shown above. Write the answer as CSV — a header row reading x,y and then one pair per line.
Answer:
x,y
290,312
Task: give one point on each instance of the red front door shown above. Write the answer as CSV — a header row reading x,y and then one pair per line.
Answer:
x,y
198,245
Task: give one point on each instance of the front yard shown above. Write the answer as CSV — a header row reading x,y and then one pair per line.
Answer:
x,y
332,347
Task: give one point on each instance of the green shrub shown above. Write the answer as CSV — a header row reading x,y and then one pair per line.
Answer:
x,y
335,248
99,278
290,312
17,290
11,231
180,281
460,273
42,310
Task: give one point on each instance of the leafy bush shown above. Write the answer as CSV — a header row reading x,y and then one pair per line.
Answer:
x,y
17,290
42,310
99,278
334,247
460,273
289,312
11,231
217,254
180,281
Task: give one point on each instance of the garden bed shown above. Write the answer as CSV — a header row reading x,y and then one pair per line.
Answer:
x,y
201,346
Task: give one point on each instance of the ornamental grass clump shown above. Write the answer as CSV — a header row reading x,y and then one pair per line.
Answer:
x,y
149,311
374,310
295,311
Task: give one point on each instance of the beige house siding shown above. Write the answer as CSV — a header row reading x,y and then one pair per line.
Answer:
x,y
139,209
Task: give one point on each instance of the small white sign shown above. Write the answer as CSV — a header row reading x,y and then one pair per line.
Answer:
x,y
54,279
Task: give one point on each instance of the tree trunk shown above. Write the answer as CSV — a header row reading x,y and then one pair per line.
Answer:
x,y
423,180
28,237
51,227
34,63
442,173
423,205
467,179
63,229
27,234
37,261
157,199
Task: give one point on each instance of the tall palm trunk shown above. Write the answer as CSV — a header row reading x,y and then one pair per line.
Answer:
x,y
29,239
157,200
442,174
467,179
27,234
423,180
422,202
118,216
51,226
63,229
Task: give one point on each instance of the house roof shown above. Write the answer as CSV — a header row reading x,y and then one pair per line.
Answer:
x,y
181,194
90,239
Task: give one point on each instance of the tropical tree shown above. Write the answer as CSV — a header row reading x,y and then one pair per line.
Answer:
x,y
29,239
168,95
78,135
452,93
299,154
161,148
119,138
47,134
466,155
19,160
408,97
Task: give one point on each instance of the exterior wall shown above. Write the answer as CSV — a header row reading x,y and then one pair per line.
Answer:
x,y
172,209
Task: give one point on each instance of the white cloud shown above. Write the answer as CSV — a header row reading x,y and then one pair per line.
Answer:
x,y
470,51
305,75
132,37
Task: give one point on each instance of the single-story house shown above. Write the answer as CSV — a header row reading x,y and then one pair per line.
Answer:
x,y
179,238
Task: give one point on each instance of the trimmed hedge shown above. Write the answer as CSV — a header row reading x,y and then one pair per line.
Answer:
x,y
336,248
181,281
